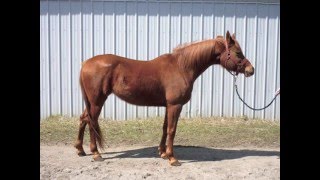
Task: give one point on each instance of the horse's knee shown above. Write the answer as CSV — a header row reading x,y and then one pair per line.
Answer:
x,y
84,118
84,114
171,132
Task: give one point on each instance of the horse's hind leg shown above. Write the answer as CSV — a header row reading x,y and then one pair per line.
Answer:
x,y
82,127
95,132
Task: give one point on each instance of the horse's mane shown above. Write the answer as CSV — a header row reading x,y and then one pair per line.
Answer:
x,y
197,53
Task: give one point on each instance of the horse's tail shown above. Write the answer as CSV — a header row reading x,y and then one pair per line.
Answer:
x,y
97,131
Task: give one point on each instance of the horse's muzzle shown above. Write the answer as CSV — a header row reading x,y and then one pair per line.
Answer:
x,y
249,71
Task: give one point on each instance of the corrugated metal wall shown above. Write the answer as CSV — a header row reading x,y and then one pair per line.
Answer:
x,y
73,31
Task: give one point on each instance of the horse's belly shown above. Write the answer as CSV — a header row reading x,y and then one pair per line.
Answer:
x,y
146,93
141,98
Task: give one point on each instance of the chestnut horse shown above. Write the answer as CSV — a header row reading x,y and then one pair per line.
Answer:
x,y
164,81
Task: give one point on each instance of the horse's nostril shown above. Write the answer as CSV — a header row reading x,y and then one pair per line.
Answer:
x,y
249,73
249,70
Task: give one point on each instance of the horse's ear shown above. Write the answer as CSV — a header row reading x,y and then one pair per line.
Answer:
x,y
230,40
219,36
233,36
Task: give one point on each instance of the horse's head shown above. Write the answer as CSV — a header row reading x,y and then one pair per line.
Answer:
x,y
233,59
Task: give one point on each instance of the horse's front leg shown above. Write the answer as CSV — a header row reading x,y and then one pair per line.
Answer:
x,y
173,116
162,146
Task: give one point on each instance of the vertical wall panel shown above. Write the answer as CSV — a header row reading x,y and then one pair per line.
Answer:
x,y
76,54
65,57
276,108
45,99
251,51
73,31
54,56
270,77
262,36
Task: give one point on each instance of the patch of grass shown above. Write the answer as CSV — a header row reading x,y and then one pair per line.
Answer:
x,y
214,132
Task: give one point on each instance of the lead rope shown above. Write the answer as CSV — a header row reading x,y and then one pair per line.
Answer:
x,y
255,109
235,75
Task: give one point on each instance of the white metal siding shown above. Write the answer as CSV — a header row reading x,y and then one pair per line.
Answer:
x,y
73,31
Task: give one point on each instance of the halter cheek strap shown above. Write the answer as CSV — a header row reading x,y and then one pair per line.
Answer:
x,y
229,58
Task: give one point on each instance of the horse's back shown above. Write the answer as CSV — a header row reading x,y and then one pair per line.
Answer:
x,y
103,60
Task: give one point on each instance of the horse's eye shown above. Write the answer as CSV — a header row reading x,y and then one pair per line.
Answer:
x,y
240,55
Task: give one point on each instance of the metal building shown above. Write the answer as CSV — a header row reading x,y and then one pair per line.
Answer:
x,y
73,31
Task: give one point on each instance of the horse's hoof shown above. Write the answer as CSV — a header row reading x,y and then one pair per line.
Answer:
x,y
174,162
81,153
97,158
164,156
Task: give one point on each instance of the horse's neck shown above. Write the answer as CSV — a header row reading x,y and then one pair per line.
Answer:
x,y
199,70
192,73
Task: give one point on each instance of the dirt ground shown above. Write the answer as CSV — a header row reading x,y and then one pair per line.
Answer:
x,y
138,162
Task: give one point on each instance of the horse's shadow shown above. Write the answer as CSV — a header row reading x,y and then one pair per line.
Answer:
x,y
192,153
